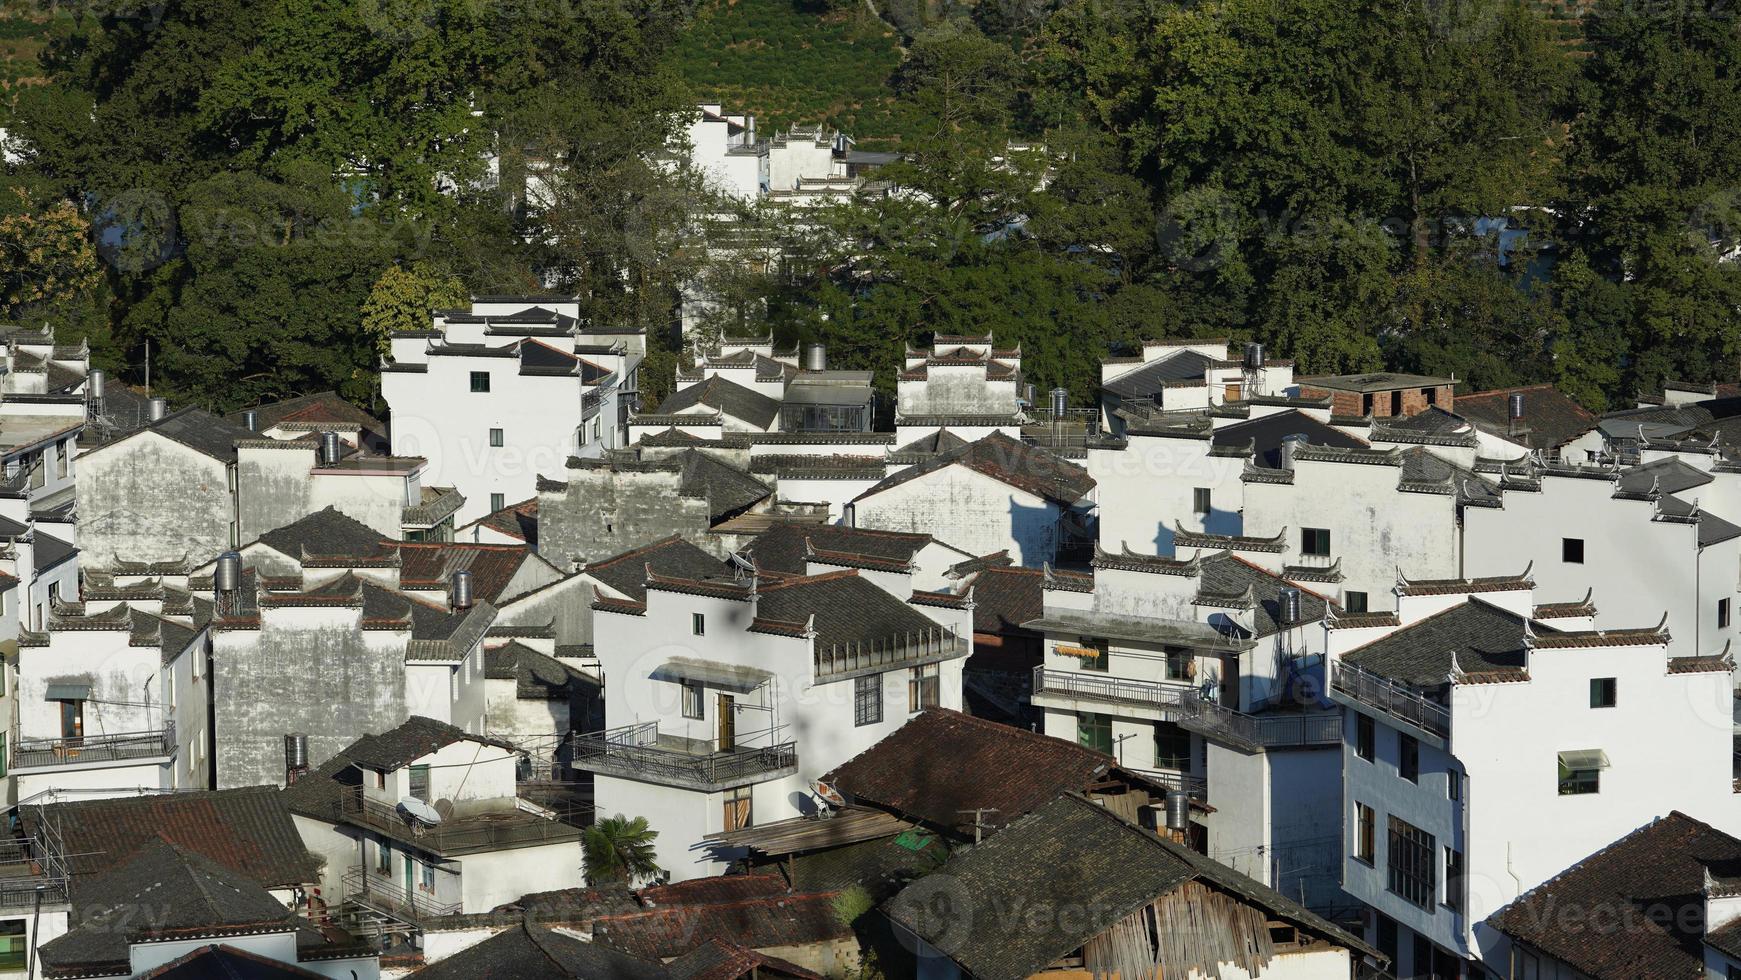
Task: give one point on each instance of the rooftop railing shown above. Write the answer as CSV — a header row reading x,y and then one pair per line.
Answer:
x,y
1394,698
30,872
636,752
392,898
487,831
85,750
841,660
1208,718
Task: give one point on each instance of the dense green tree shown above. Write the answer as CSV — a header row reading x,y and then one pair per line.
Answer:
x,y
405,296
619,850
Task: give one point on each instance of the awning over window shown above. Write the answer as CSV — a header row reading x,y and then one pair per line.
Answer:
x,y
1584,759
712,673
68,692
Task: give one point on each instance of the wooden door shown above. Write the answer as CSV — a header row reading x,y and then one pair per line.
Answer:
x,y
1231,392
727,723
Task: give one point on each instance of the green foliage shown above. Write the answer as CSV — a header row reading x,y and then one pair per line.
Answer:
x,y
618,849
852,903
405,297
792,63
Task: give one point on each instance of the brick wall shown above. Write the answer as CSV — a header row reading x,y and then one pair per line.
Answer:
x,y
1414,400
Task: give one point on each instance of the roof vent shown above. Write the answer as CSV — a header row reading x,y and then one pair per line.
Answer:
x,y
156,409
330,450
460,591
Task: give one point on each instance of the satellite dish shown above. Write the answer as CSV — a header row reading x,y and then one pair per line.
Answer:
x,y
419,811
828,794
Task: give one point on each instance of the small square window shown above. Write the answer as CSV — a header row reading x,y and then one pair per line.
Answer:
x,y
1572,551
1408,761
698,624
1315,541
497,502
480,381
1200,500
1581,771
1602,692
1354,602
496,438
1365,736
694,700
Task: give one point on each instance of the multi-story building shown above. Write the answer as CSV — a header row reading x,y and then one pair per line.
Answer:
x,y
967,385
1486,750
498,395
727,696
1171,375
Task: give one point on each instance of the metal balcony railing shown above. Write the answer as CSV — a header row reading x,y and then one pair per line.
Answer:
x,y
1109,687
1208,718
487,831
31,753
31,871
1195,787
390,897
1391,697
636,752
845,659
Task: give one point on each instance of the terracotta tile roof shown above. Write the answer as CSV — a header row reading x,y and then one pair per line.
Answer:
x,y
760,923
1715,664
1633,909
710,891
1601,638
247,830
1005,598
425,565
942,762
322,406
1457,586
1030,468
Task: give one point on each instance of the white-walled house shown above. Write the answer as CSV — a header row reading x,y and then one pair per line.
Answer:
x,y
726,697
966,384
1204,673
996,494
1174,374
384,863
1486,751
495,396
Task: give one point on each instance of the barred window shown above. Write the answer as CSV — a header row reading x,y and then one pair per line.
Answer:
x,y
1410,862
867,699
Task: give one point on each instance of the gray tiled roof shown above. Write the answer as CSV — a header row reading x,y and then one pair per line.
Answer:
x,y
327,533
1146,381
728,397
1069,854
530,950
202,431
1226,575
848,609
1482,636
673,556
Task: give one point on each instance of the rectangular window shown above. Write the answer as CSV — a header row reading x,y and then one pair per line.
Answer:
x,y
1365,737
595,430
698,624
1409,858
1200,501
1581,772
694,699
380,779
429,877
62,455
497,502
1365,833
1453,785
383,858
1572,551
1315,541
1354,602
1453,879
1722,614
1603,691
13,951
1094,731
867,699
1178,663
1396,403
420,783
480,381
496,438
1172,746
1408,758
737,808
1098,662
922,684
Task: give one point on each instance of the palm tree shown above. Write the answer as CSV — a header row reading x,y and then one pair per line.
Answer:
x,y
619,849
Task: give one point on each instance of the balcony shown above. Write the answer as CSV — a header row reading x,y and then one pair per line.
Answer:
x,y
1182,703
841,661
500,829
1356,687
639,752
391,898
1112,689
93,750
30,872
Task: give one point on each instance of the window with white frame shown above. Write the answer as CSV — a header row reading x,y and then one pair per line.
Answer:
x,y
922,687
694,699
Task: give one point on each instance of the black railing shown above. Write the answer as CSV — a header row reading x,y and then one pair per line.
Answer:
x,y
634,752
30,873
1209,718
1110,687
31,753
